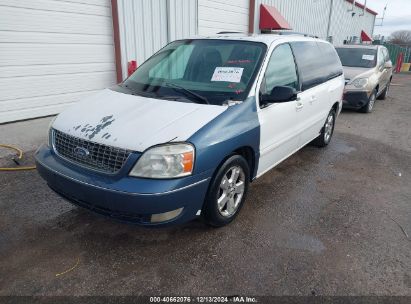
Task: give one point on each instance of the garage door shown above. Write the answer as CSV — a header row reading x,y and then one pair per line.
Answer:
x,y
52,53
222,15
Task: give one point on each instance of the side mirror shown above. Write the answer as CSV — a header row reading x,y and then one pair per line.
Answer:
x,y
388,65
279,94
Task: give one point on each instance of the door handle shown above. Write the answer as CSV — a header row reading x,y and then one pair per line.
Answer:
x,y
299,105
313,99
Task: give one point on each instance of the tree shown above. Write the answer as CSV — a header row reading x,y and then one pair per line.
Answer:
x,y
401,38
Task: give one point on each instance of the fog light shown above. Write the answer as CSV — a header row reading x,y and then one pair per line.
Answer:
x,y
164,217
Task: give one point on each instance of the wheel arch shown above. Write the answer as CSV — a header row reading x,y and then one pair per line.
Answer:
x,y
377,88
249,155
336,107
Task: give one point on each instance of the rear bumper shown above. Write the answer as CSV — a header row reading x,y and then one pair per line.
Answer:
x,y
122,197
355,99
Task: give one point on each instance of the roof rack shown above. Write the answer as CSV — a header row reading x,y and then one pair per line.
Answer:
x,y
287,33
221,33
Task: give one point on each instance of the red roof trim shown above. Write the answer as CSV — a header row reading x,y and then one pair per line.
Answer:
x,y
270,18
362,6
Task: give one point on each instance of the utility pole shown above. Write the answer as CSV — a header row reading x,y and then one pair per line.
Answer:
x,y
383,16
364,9
329,18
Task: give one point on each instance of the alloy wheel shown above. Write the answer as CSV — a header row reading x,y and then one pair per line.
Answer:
x,y
329,127
231,191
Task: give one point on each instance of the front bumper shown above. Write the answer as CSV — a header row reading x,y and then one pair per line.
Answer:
x,y
355,99
122,197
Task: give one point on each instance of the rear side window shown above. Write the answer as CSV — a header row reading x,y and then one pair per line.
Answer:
x,y
330,61
310,63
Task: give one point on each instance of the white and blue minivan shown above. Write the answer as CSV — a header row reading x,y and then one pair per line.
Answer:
x,y
185,134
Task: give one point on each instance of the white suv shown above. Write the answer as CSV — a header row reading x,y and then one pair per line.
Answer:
x,y
197,122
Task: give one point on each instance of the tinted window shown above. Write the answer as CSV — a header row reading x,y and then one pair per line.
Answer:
x,y
219,70
310,62
330,60
357,57
386,54
381,57
280,70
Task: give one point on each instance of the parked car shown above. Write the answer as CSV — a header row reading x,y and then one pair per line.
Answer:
x,y
368,74
185,134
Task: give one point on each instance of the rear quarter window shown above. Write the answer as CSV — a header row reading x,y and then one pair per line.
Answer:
x,y
330,60
316,63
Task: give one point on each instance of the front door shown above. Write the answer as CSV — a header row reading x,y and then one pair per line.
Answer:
x,y
383,72
388,69
278,134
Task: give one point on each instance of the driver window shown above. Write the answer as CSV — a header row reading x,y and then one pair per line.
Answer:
x,y
386,55
381,57
281,70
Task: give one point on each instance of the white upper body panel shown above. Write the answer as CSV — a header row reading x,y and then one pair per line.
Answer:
x,y
134,122
137,123
267,39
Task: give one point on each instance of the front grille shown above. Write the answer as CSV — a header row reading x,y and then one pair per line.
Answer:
x,y
90,154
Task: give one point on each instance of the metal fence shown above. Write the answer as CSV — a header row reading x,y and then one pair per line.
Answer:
x,y
395,50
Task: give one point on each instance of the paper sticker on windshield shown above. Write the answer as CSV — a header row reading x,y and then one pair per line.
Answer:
x,y
368,57
227,74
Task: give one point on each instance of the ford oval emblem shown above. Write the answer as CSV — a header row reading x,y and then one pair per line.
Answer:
x,y
81,152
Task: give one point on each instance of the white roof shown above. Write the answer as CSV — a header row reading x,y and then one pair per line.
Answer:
x,y
268,39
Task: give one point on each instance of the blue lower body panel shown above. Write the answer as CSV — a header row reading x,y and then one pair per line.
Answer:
x,y
122,197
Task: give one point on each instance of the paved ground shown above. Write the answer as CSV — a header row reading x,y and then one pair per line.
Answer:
x,y
25,134
331,222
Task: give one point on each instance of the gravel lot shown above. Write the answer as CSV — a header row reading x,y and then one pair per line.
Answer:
x,y
326,221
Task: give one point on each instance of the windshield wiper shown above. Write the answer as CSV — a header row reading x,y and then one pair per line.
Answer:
x,y
133,92
137,93
200,98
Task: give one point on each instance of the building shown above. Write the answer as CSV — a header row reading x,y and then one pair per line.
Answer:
x,y
53,53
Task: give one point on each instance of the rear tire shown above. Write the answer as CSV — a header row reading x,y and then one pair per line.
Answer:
x,y
227,192
327,131
370,104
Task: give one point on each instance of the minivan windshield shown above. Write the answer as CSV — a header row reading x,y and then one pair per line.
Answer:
x,y
357,57
199,70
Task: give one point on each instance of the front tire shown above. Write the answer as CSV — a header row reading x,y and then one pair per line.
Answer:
x,y
327,131
227,192
384,94
370,104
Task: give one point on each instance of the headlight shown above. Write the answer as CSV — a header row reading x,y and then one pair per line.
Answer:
x,y
360,82
49,143
166,161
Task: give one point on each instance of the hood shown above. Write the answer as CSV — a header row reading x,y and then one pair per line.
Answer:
x,y
354,72
134,122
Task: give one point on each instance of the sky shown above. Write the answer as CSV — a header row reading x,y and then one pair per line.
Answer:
x,y
397,16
